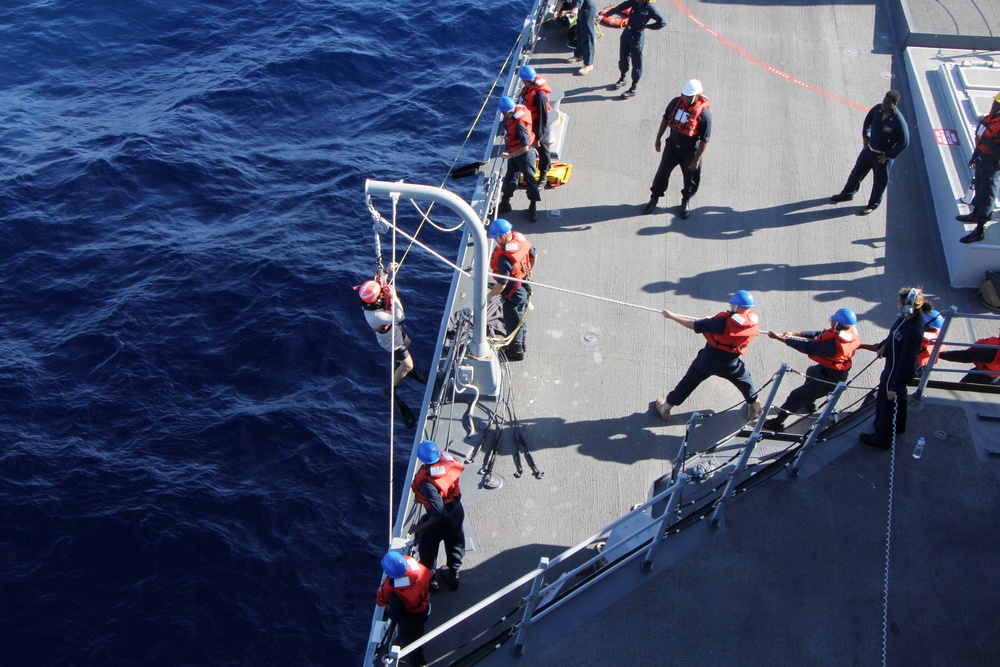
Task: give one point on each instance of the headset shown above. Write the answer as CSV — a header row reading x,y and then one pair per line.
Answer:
x,y
911,300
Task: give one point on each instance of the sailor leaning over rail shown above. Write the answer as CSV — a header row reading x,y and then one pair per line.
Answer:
x,y
642,16
519,137
933,321
406,592
728,334
435,486
899,348
512,259
832,349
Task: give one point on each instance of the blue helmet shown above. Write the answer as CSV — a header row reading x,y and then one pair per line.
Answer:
x,y
499,227
934,320
527,73
506,104
394,564
845,316
742,298
428,452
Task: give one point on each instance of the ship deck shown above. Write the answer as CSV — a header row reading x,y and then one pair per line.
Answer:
x,y
796,572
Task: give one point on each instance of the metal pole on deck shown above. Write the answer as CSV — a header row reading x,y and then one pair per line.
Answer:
x,y
817,427
529,607
749,446
926,375
647,563
479,348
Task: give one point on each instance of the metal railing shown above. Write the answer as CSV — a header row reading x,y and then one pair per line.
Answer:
x,y
643,530
925,379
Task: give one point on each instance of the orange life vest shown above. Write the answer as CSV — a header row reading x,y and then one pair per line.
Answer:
x,y
989,365
685,117
987,134
740,330
413,588
927,346
519,252
443,475
521,115
614,21
529,92
847,344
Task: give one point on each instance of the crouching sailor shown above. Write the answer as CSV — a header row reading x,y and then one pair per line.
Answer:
x,y
832,349
728,336
406,592
985,359
435,486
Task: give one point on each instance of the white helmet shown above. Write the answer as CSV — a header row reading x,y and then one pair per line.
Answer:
x,y
692,87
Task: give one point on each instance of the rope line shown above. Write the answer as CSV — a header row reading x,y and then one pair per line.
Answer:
x,y
392,370
888,534
486,99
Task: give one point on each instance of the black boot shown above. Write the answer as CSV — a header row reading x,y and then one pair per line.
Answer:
x,y
620,83
514,352
777,422
533,212
650,205
504,206
631,91
685,209
976,235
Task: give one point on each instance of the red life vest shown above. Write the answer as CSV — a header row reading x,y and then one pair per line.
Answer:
x,y
443,475
521,115
529,92
685,117
740,330
519,252
987,134
927,346
989,365
413,588
847,342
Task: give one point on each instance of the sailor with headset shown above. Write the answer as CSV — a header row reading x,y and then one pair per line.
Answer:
x,y
899,349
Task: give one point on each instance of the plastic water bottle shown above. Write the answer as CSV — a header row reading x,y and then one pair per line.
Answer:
x,y
918,451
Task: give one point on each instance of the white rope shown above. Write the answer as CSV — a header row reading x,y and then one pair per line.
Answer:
x,y
533,283
888,533
392,370
427,216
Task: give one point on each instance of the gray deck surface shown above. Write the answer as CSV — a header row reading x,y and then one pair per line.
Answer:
x,y
795,575
955,17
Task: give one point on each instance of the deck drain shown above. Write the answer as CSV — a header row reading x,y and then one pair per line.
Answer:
x,y
589,338
941,435
887,75
851,51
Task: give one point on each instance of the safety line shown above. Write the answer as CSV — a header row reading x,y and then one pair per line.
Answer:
x,y
888,532
757,61
467,136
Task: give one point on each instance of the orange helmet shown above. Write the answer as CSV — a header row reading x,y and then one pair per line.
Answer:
x,y
370,291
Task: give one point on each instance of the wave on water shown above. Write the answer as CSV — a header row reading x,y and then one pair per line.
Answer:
x,y
195,458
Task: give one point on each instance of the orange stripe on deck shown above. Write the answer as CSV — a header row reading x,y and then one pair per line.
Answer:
x,y
754,59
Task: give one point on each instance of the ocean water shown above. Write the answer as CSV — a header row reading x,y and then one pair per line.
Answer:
x,y
194,443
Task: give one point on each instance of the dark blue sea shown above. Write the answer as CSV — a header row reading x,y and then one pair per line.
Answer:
x,y
194,442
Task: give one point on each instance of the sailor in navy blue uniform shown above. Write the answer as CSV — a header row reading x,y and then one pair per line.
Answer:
x,y
586,35
900,349
642,16
885,136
